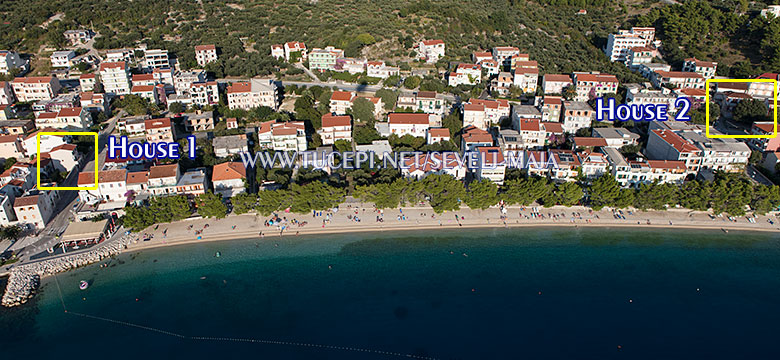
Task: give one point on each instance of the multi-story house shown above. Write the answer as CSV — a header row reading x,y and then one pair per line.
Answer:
x,y
35,88
16,127
282,136
335,128
11,147
531,132
491,164
551,108
593,164
765,90
143,80
501,84
618,45
430,102
350,65
430,50
524,112
6,93
148,92
380,70
204,93
554,83
164,76
767,144
156,59
198,121
616,137
228,178
324,59
71,117
295,47
415,124
159,130
465,74
706,69
473,138
162,179
183,80
526,79
35,207
503,55
79,36
115,77
590,86
668,145
193,182
436,135
495,110
340,101
576,115
474,115
639,55
117,55
112,186
10,62
205,54
228,145
491,67
277,51
678,79
568,165
62,59
87,82
479,56
248,95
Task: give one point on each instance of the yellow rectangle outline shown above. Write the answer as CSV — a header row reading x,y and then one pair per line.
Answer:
x,y
707,109
63,133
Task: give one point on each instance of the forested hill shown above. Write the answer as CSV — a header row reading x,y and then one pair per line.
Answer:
x,y
549,30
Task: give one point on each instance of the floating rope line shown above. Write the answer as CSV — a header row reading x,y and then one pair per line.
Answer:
x,y
245,340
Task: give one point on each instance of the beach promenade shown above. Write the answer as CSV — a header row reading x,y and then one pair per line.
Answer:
x,y
423,218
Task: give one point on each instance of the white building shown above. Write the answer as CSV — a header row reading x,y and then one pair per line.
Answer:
x,y
87,82
591,86
503,54
284,136
430,50
380,70
62,59
205,54
205,93
554,83
526,79
156,59
295,46
256,93
340,101
576,115
115,77
335,128
228,178
465,74
112,186
414,124
618,45
10,61
492,165
706,69
35,88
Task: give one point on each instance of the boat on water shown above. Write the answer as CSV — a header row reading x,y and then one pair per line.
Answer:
x,y
83,285
218,254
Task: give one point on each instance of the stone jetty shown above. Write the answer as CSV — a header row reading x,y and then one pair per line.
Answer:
x,y
24,280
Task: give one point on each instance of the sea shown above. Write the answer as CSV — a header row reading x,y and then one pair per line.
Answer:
x,y
521,293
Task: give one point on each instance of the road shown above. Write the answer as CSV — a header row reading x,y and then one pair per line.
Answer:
x,y
47,238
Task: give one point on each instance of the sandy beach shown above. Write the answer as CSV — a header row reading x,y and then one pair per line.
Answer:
x,y
251,226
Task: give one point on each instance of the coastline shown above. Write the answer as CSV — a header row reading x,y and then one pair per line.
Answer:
x,y
249,225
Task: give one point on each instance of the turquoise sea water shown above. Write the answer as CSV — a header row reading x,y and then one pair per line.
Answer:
x,y
605,294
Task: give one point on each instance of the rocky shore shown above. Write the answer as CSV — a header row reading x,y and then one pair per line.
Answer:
x,y
24,280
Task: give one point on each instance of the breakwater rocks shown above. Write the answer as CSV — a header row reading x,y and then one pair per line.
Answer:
x,y
24,280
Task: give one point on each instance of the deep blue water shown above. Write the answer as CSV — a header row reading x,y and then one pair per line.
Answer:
x,y
605,294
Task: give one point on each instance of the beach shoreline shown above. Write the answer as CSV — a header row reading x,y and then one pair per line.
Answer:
x,y
249,226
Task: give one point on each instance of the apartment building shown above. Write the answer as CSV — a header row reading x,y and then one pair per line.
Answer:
x,y
436,135
551,108
618,45
162,179
282,136
228,178
415,124
324,59
205,54
678,79
576,115
204,93
228,145
340,101
555,83
503,55
473,138
115,77
62,59
156,59
112,186
526,79
295,47
706,69
35,208
492,165
590,86
465,74
11,62
335,128
35,88
159,130
380,70
87,82
70,117
256,93
616,137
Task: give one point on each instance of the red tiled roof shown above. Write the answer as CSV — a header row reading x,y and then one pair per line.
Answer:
x,y
228,171
205,47
694,92
341,96
431,163
700,62
239,87
432,42
557,78
553,127
26,201
476,135
676,141
439,132
529,125
553,100
590,141
667,164
112,65
66,147
329,120
47,115
142,88
33,79
138,177
70,111
487,155
162,171
597,77
157,123
143,77
408,118
766,127
679,74
87,76
473,107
